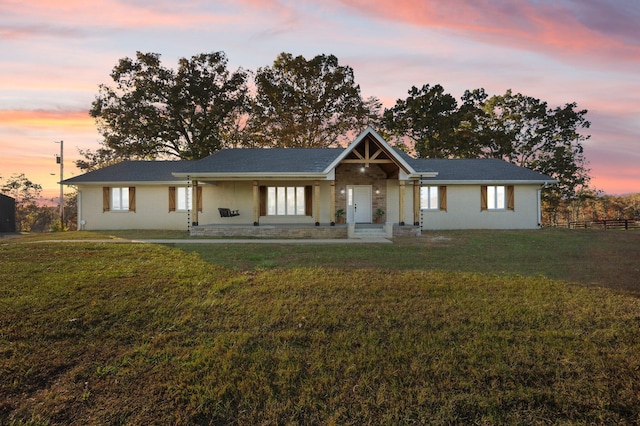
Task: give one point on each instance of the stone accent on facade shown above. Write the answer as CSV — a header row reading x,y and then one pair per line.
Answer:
x,y
272,231
406,231
351,174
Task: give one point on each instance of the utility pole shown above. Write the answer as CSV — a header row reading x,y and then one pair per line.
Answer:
x,y
60,160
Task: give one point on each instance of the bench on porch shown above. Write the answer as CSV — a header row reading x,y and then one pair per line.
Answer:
x,y
224,212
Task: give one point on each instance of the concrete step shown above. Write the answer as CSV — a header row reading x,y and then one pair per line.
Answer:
x,y
369,231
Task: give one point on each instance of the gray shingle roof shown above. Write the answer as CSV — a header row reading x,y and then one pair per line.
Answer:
x,y
133,171
301,161
273,160
477,169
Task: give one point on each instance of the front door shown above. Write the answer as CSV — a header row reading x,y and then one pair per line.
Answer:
x,y
359,204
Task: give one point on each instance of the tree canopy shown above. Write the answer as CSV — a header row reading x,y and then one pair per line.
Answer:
x,y
514,127
427,117
153,111
307,103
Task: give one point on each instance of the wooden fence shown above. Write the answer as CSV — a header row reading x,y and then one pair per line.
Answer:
x,y
606,224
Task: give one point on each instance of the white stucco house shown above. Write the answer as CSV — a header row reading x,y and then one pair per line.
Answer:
x,y
288,188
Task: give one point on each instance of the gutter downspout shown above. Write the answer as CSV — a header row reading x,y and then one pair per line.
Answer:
x,y
81,221
544,185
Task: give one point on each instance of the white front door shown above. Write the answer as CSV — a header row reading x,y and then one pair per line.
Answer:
x,y
359,204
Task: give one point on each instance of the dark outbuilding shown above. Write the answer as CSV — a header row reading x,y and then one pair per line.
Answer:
x,y
7,214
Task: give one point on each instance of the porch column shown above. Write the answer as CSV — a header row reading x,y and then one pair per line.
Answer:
x,y
196,202
401,207
256,203
316,202
416,202
332,203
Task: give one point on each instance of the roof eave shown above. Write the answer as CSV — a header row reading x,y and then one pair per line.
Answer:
x,y
489,182
421,175
252,176
126,183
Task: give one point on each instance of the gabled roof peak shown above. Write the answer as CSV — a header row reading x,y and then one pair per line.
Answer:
x,y
360,151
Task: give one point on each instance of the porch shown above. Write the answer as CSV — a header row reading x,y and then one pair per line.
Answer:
x,y
305,231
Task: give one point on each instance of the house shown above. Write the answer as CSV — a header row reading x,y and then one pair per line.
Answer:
x,y
7,213
304,188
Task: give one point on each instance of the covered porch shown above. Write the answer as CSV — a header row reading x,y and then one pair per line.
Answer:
x,y
366,183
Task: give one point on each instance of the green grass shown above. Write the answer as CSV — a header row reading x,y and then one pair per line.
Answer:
x,y
593,257
407,333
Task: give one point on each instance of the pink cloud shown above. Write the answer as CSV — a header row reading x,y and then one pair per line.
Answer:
x,y
67,120
54,18
550,27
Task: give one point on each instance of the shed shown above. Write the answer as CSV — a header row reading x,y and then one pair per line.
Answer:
x,y
7,213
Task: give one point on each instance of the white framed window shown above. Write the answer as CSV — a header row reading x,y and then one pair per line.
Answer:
x,y
429,198
286,201
183,198
433,198
496,198
120,199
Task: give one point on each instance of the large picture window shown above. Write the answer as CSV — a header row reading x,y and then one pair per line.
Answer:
x,y
286,201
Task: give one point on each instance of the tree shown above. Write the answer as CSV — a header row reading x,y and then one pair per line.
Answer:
x,y
514,127
525,131
155,112
428,117
302,103
93,160
26,193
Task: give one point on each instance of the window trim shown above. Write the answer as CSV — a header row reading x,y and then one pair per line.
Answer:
x,y
508,198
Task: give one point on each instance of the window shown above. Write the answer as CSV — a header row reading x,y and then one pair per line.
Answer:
x,y
429,198
433,197
286,200
181,198
122,199
496,197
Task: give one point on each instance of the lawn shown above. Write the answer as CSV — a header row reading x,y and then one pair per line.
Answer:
x,y
452,328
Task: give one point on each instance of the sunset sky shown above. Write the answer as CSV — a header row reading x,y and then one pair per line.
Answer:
x,y
54,54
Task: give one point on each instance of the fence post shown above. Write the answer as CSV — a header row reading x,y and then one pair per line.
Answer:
x,y
626,224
